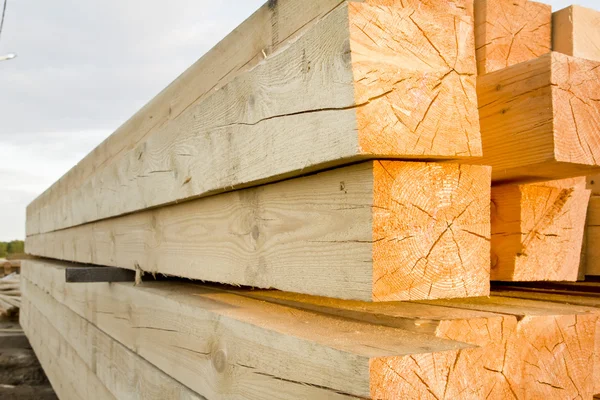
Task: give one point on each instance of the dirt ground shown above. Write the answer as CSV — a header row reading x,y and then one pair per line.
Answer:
x,y
21,376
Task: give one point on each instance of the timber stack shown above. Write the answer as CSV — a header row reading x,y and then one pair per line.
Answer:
x,y
345,178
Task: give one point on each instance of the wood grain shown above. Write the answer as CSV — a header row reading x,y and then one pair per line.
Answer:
x,y
226,346
509,32
537,230
567,297
539,119
332,95
68,374
551,339
374,231
123,373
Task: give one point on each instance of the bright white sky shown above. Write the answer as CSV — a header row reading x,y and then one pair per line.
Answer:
x,y
85,67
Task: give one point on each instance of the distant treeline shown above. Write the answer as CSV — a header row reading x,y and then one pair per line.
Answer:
x,y
14,247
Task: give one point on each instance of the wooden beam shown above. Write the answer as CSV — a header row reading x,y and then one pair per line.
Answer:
x,y
98,274
539,119
537,230
377,231
123,373
509,32
229,345
68,374
576,32
566,297
593,237
561,327
375,79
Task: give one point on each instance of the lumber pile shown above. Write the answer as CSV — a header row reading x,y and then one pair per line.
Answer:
x,y
10,295
375,162
10,266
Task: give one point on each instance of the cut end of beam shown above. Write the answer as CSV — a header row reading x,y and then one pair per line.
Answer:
x,y
431,231
509,32
414,72
537,230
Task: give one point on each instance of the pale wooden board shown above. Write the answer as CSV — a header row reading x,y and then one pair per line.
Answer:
x,y
123,373
539,120
70,377
508,32
538,230
330,96
374,231
267,348
576,32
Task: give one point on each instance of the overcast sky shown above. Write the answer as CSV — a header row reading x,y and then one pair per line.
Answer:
x,y
85,67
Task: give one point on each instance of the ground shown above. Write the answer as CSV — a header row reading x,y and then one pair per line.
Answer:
x,y
21,376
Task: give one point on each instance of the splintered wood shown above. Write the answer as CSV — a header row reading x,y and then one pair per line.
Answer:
x,y
539,119
365,80
374,231
508,32
537,230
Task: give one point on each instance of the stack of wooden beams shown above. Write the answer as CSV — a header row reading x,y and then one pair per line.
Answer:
x,y
348,154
